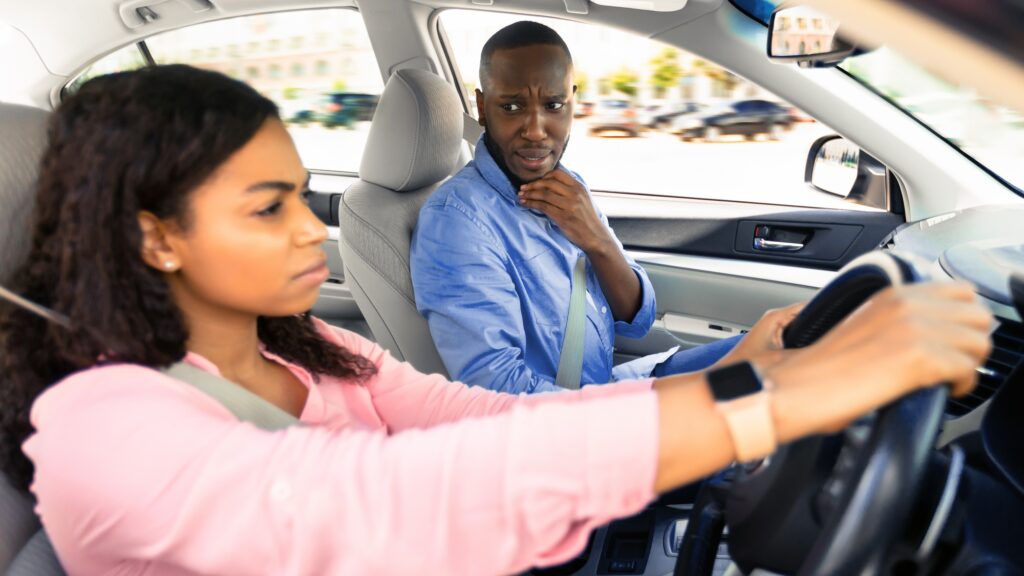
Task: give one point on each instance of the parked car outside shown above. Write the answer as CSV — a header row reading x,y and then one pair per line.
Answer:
x,y
799,115
300,109
582,109
346,108
660,116
614,115
746,118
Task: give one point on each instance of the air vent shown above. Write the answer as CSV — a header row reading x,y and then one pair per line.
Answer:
x,y
1007,354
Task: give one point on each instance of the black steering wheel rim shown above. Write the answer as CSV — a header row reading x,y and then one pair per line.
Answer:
x,y
822,505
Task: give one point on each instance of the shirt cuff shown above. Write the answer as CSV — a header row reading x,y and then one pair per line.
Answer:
x,y
644,317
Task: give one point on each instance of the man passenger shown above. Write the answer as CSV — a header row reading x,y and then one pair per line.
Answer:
x,y
495,246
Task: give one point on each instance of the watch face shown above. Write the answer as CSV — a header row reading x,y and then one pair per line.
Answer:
x,y
734,382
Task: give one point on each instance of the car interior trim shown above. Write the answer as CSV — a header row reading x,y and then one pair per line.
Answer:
x,y
780,273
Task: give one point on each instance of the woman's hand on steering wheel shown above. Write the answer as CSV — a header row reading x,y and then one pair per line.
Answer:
x,y
903,339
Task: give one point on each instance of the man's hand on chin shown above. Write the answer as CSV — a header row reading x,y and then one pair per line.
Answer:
x,y
563,199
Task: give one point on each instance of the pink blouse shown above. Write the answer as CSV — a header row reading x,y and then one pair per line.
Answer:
x,y
138,473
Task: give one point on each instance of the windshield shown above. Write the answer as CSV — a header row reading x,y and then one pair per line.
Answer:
x,y
991,134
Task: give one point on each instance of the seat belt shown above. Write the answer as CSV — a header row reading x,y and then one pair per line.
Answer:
x,y
242,403
245,405
570,360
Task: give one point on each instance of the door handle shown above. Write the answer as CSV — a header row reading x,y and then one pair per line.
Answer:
x,y
776,245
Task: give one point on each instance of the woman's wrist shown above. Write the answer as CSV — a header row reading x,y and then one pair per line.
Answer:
x,y
797,404
815,393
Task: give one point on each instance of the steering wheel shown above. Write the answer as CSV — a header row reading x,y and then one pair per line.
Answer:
x,y
827,504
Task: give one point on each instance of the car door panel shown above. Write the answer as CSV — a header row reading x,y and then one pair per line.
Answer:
x,y
834,237
711,281
699,301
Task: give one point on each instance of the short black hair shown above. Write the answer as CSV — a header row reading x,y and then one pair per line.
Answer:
x,y
518,35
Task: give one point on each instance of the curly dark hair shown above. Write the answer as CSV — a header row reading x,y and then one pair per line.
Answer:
x,y
121,144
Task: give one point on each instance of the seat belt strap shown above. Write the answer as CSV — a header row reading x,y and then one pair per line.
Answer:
x,y
245,405
570,360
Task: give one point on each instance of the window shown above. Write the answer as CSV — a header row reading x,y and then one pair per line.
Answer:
x,y
329,138
700,131
127,58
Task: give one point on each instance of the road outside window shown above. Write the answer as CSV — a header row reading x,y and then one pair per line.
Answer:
x,y
653,119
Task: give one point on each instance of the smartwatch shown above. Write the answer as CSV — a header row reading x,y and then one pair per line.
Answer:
x,y
742,397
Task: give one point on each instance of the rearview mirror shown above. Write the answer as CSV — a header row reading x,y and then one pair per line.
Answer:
x,y
806,36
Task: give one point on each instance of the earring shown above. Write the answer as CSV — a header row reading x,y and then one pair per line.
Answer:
x,y
169,265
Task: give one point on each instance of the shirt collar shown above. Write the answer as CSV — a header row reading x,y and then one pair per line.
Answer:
x,y
203,363
492,173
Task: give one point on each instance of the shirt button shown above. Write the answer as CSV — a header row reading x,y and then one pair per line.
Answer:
x,y
604,309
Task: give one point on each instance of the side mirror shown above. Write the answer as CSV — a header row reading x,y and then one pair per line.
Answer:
x,y
806,36
837,166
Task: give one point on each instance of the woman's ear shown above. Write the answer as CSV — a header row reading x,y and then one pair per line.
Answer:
x,y
156,248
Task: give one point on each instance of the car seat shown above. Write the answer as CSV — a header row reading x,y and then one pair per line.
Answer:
x,y
24,548
414,144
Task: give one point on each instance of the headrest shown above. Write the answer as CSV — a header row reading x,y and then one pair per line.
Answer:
x,y
22,141
416,133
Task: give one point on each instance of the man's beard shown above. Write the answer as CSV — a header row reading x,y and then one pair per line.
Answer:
x,y
499,159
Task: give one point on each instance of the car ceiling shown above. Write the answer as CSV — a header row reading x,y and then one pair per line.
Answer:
x,y
60,25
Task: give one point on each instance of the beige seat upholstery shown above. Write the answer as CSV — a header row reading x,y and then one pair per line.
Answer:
x,y
24,548
413,145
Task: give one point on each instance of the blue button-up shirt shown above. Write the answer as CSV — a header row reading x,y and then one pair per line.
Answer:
x,y
493,279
